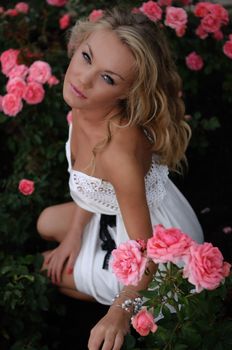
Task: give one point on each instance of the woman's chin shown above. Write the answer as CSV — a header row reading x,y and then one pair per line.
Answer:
x,y
67,98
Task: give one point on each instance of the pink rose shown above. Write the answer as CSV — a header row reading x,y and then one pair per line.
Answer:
x,y
33,93
26,187
205,267
194,61
53,81
220,12
230,37
152,10
16,86
169,244
58,3
64,21
210,23
1,10
213,16
128,262
176,18
69,117
11,105
95,15
19,70
143,322
8,60
11,12
202,9
22,7
227,48
40,72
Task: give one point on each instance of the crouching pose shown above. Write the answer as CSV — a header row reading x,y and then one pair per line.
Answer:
x,y
127,132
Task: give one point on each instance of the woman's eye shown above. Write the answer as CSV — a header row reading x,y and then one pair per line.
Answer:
x,y
108,79
86,57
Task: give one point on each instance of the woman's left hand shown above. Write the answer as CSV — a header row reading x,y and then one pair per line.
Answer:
x,y
109,332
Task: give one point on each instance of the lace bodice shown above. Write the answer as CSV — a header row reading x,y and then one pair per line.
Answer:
x,y
98,195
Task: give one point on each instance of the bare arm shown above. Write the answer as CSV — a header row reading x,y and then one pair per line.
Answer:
x,y
80,219
127,177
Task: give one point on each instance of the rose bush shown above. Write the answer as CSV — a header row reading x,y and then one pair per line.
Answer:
x,y
188,273
33,126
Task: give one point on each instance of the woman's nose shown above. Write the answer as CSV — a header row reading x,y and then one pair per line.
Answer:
x,y
86,78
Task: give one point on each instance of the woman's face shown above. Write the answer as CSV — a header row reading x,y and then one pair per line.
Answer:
x,y
100,73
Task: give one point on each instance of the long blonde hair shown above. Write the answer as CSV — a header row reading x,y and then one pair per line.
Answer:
x,y
154,102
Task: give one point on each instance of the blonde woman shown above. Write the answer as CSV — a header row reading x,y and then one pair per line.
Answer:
x,y
127,132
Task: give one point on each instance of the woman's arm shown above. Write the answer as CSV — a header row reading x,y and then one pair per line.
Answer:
x,y
66,253
127,177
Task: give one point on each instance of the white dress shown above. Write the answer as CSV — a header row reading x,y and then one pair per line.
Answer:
x,y
167,206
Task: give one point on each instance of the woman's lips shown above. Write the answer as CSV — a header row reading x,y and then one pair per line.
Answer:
x,y
77,91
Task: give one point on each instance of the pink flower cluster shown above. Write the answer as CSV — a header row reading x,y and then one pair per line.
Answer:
x,y
24,83
204,265
176,17
20,7
213,17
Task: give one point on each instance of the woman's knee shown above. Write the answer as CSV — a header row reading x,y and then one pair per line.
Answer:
x,y
54,221
44,224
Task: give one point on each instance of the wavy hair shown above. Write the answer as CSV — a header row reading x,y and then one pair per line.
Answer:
x,y
154,102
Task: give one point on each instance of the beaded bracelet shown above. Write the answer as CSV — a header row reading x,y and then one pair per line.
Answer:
x,y
130,305
125,291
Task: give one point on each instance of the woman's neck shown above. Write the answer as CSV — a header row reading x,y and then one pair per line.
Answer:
x,y
94,121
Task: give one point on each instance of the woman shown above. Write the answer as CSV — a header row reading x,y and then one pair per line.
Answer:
x,y
127,130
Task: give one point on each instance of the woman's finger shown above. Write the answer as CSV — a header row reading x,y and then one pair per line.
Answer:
x,y
108,344
119,339
49,256
59,269
70,263
95,340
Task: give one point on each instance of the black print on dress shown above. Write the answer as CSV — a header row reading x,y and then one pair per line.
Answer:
x,y
108,243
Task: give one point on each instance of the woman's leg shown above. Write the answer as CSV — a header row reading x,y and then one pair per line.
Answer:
x,y
53,224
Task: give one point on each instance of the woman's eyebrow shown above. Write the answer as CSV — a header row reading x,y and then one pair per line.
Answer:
x,y
107,71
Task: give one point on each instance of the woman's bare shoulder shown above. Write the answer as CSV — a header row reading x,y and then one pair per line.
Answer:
x,y
123,157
